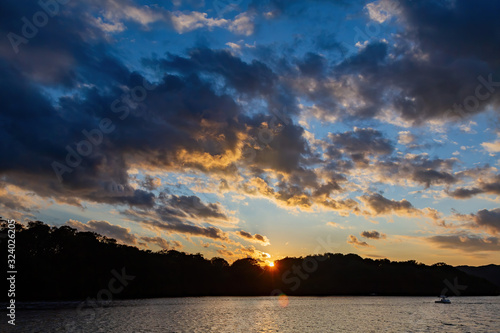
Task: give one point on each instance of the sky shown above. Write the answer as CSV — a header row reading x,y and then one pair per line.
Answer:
x,y
259,129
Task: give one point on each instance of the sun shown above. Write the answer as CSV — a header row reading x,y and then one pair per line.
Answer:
x,y
271,264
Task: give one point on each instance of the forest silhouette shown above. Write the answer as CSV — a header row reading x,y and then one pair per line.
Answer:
x,y
60,263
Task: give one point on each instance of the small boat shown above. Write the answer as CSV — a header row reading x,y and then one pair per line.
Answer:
x,y
443,299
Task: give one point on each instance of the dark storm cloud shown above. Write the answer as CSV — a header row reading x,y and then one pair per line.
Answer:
x,y
161,242
465,193
65,51
374,234
173,208
194,207
171,130
429,177
490,186
121,234
253,238
381,205
246,78
55,131
362,141
188,229
60,56
458,28
489,219
312,65
442,63
282,148
150,183
178,130
357,243
326,189
106,229
42,136
181,214
418,168
466,242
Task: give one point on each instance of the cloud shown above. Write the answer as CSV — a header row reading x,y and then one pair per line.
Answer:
x,y
115,13
373,234
151,183
214,133
429,177
466,242
465,193
467,127
94,175
244,252
439,51
249,78
419,169
263,240
492,147
300,190
337,225
362,141
18,204
356,243
185,215
313,65
405,138
188,229
194,207
226,253
488,219
379,205
105,228
251,252
244,127
483,184
492,186
123,235
234,46
162,243
186,22
382,10
242,24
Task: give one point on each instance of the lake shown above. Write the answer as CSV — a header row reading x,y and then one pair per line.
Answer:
x,y
264,314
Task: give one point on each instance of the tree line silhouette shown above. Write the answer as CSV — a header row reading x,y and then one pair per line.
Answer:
x,y
60,263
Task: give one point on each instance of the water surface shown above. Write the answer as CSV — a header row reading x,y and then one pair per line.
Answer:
x,y
265,314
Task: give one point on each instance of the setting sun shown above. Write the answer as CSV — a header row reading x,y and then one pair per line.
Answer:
x,y
271,264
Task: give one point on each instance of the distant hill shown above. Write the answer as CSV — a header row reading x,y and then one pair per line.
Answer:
x,y
488,272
